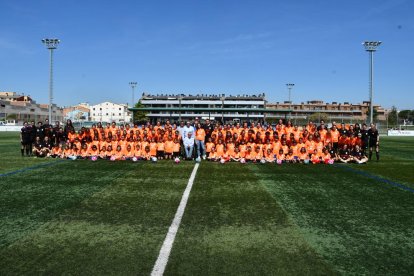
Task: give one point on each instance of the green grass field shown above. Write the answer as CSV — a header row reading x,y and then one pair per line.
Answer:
x,y
100,218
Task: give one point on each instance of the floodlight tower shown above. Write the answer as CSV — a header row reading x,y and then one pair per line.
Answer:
x,y
289,87
133,84
51,44
371,47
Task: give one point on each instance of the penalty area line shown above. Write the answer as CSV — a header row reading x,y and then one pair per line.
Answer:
x,y
166,247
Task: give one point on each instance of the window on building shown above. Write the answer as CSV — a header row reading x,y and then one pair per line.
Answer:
x,y
94,109
100,108
119,114
106,114
119,109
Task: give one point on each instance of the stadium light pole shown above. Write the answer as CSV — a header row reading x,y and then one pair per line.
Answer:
x,y
290,86
133,84
371,47
51,44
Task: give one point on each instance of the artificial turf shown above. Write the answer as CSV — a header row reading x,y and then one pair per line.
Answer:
x,y
83,217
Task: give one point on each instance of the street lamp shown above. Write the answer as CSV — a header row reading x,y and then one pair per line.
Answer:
x,y
133,84
51,44
289,87
371,47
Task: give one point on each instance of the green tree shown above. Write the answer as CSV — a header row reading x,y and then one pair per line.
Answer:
x,y
318,116
406,115
140,116
392,116
11,116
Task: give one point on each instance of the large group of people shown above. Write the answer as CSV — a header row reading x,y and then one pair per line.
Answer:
x,y
283,142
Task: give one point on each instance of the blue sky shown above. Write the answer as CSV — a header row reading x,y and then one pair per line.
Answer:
x,y
209,46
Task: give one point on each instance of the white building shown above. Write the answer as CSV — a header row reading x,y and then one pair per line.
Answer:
x,y
214,107
110,112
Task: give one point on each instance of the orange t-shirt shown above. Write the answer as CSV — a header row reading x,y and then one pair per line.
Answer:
x,y
169,146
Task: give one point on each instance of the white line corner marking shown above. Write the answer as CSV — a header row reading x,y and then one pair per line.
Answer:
x,y
165,250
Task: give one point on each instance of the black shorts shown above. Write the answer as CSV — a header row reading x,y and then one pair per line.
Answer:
x,y
372,143
176,154
160,153
26,142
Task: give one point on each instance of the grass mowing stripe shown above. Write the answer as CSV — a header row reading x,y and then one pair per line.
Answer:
x,y
33,167
165,251
357,227
118,230
375,177
232,226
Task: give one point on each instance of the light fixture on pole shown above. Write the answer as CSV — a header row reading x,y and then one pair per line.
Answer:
x,y
290,86
371,47
51,44
133,84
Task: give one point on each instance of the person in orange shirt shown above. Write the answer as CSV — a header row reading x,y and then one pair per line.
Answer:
x,y
290,157
118,154
276,145
84,151
213,156
326,156
259,154
129,152
102,152
310,144
209,146
220,148
138,152
67,152
56,151
230,146
319,145
334,137
280,156
160,148
315,157
109,152
269,156
250,154
176,148
200,136
267,146
343,139
146,154
226,156
169,147
284,147
236,155
303,155
93,151
153,148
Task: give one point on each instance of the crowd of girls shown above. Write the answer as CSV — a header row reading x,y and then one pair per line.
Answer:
x,y
254,142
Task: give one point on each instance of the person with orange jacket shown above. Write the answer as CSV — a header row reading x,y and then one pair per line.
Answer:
x,y
200,136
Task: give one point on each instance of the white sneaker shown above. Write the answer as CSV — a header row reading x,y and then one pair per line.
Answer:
x,y
204,157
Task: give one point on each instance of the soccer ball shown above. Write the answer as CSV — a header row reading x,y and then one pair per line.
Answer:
x,y
243,161
262,161
306,161
222,161
112,158
177,160
154,159
198,159
279,162
134,159
330,161
73,157
94,158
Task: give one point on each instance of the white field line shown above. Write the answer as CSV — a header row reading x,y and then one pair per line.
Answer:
x,y
165,250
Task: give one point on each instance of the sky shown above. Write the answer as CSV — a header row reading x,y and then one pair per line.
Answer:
x,y
210,47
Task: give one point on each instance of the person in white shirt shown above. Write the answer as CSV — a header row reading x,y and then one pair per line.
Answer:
x,y
188,129
188,145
